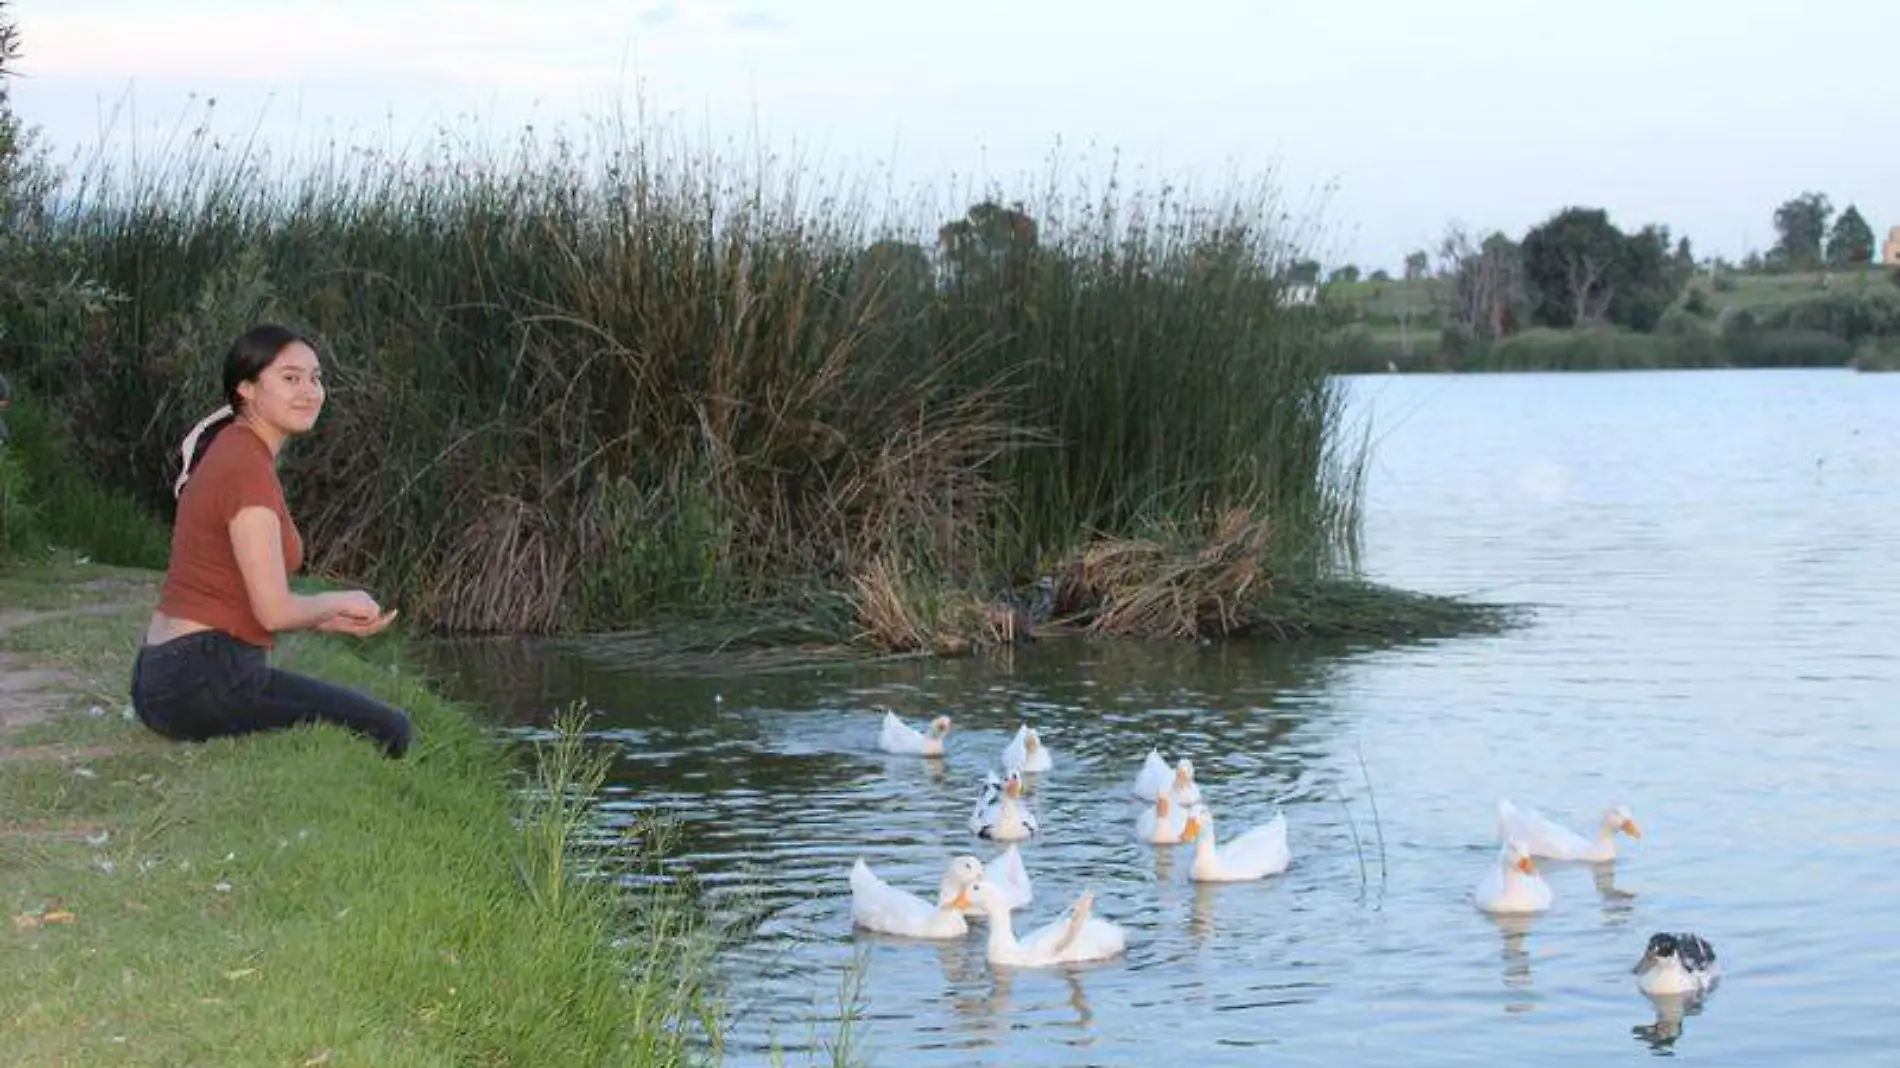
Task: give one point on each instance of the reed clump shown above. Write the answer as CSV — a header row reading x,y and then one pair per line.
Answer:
x,y
583,381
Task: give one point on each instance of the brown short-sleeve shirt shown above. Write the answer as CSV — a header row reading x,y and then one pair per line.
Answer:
x,y
202,581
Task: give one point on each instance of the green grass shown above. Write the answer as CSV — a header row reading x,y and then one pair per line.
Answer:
x,y
294,897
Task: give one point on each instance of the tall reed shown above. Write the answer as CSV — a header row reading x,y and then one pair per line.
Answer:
x,y
588,377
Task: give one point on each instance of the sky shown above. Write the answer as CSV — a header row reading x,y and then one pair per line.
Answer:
x,y
1380,121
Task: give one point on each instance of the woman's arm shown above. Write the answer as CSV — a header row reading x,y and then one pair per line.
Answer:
x,y
257,540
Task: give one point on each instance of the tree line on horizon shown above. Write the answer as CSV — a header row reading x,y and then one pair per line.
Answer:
x,y
1809,236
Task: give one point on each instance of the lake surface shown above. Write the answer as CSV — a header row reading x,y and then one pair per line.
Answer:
x,y
1716,561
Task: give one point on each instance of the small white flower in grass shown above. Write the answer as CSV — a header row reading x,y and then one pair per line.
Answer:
x,y
221,887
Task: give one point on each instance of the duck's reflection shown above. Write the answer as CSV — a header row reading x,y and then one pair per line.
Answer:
x,y
1617,907
1201,920
989,1007
1661,1034
1513,929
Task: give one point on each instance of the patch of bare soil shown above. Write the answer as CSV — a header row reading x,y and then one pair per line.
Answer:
x,y
28,690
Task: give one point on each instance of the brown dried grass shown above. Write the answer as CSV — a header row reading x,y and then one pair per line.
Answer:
x,y
1179,583
507,571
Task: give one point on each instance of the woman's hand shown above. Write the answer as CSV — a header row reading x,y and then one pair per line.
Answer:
x,y
355,612
360,627
352,604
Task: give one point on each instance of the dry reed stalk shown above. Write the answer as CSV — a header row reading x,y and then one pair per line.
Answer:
x,y
506,572
1150,587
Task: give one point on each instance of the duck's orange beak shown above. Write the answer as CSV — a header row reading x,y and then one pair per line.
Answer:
x,y
1524,865
1630,828
962,900
1191,830
1013,788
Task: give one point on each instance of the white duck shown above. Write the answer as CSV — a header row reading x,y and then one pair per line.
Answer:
x,y
1165,823
1005,873
1675,964
896,736
1254,854
1026,753
1543,837
1512,885
1155,776
1074,936
999,814
879,906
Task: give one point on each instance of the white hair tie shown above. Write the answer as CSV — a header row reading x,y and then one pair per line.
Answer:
x,y
190,448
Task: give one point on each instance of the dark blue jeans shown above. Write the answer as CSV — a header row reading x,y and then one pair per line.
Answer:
x,y
210,684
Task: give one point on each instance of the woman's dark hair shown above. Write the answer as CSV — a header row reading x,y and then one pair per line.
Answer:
x,y
247,358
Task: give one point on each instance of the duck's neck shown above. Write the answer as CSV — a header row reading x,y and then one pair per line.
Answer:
x,y
1002,934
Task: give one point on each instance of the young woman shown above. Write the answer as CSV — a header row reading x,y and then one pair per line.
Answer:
x,y
203,670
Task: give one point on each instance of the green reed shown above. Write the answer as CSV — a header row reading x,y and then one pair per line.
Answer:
x,y
578,379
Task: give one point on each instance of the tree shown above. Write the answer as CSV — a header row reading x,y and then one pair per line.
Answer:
x,y
1379,275
1647,280
1685,256
1851,242
1800,226
1487,294
1570,263
1416,264
1581,270
990,242
1348,273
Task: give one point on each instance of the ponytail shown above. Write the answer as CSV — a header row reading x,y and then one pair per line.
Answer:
x,y
196,442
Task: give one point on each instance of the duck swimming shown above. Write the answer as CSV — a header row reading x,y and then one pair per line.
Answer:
x,y
1544,837
1676,964
1512,884
1075,936
878,906
999,814
1163,823
896,736
1025,752
1254,854
1155,776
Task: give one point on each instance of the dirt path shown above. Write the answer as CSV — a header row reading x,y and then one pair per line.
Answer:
x,y
28,691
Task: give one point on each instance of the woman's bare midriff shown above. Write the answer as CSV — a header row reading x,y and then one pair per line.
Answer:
x,y
164,628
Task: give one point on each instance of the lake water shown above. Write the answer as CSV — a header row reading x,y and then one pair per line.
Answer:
x,y
1716,561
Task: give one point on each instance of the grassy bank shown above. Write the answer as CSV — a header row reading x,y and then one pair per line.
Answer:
x,y
294,898
605,379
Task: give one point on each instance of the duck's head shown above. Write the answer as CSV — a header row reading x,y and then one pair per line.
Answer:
x,y
1183,773
982,896
1515,855
1661,947
1013,783
1618,818
959,876
940,726
1031,740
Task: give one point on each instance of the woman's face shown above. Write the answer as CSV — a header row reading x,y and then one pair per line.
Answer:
x,y
289,393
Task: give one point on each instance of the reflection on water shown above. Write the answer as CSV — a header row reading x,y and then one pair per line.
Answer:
x,y
1661,1033
1714,649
